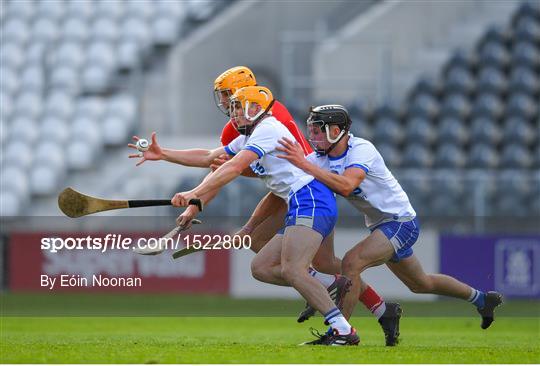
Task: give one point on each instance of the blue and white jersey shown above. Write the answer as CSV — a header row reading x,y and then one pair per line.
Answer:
x,y
379,197
280,176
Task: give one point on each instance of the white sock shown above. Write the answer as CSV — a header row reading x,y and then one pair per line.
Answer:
x,y
379,310
340,324
323,278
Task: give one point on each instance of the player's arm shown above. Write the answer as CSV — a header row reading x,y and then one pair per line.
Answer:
x,y
191,211
341,184
192,157
223,175
222,159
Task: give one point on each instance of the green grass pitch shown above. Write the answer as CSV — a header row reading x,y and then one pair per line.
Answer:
x,y
105,329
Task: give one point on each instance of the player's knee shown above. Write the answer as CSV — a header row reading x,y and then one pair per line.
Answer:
x,y
259,271
352,265
290,272
422,286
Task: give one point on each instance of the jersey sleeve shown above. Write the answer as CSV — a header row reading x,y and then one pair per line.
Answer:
x,y
263,140
362,156
235,145
228,134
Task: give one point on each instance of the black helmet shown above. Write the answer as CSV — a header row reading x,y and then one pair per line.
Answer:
x,y
327,115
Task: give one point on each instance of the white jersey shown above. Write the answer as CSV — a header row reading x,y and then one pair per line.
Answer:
x,y
379,197
280,176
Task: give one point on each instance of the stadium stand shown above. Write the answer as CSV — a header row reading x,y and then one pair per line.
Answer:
x,y
480,113
61,102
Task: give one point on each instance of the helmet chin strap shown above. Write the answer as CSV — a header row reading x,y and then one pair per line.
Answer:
x,y
246,130
334,141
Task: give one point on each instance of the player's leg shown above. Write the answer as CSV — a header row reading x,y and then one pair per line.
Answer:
x,y
409,270
300,243
266,266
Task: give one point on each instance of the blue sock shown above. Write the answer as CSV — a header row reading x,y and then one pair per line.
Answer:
x,y
330,331
478,298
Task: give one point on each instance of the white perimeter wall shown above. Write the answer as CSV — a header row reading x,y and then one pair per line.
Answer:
x,y
426,248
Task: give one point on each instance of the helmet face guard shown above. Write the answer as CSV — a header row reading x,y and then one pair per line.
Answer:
x,y
221,98
318,124
239,112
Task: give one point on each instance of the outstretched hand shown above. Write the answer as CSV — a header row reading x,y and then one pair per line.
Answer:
x,y
294,152
153,153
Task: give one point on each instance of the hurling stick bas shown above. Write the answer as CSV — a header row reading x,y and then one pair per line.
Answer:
x,y
75,204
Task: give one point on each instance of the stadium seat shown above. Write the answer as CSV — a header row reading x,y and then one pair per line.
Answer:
x,y
45,29
101,53
417,156
111,8
521,105
7,105
199,11
105,30
488,105
524,80
129,55
165,30
519,131
95,79
20,9
387,130
23,128
53,10
59,103
526,8
32,78
11,55
75,30
513,184
417,183
54,129
456,105
482,156
460,59
84,128
420,130
45,179
28,104
390,154
459,80
140,9
515,156
386,110
17,152
491,80
82,10
68,53
10,204
452,130
494,54
449,156
65,78
525,54
49,153
81,154
536,156
424,105
14,179
137,30
497,34
91,107
35,53
527,29
15,30
173,8
115,130
124,106
485,131
428,85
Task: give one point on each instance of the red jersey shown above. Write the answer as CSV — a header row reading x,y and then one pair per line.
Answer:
x,y
280,113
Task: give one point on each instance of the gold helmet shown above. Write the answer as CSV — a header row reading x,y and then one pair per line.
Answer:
x,y
229,82
243,99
